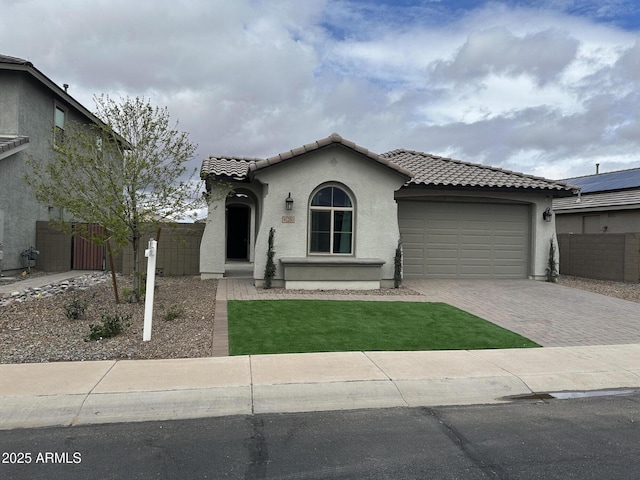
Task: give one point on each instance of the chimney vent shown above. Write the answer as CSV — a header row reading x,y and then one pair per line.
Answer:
x,y
66,86
597,168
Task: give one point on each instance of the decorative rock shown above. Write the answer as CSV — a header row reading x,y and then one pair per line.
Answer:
x,y
82,283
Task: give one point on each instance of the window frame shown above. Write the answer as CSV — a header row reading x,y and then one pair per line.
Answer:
x,y
59,131
332,209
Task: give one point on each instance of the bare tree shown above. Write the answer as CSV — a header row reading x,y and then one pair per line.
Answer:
x,y
127,174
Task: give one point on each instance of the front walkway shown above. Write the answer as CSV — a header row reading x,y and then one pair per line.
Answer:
x,y
549,314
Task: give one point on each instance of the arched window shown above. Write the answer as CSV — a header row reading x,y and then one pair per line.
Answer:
x,y
331,225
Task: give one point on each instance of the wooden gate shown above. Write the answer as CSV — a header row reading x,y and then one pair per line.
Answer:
x,y
84,254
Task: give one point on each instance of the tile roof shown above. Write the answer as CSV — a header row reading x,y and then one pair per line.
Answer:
x,y
10,143
417,167
240,168
623,199
434,170
603,182
232,168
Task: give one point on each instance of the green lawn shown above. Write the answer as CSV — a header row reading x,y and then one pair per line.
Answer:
x,y
296,326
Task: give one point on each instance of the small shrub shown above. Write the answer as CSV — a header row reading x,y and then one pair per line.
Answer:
x,y
552,266
111,326
397,264
173,312
270,268
75,310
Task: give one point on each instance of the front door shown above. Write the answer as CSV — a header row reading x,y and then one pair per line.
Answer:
x,y
238,217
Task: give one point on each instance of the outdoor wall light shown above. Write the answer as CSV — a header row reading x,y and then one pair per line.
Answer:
x,y
289,202
547,215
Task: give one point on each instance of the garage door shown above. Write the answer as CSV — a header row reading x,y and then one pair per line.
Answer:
x,y
464,240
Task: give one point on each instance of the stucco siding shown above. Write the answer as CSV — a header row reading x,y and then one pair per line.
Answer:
x,y
608,221
372,187
9,96
33,114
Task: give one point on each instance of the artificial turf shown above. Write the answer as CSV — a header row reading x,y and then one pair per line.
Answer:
x,y
297,326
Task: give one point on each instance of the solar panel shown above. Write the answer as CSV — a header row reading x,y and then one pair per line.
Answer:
x,y
604,182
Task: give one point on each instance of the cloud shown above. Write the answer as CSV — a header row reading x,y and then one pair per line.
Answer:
x,y
542,55
536,87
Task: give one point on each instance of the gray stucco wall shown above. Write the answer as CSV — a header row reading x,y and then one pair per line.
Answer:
x,y
372,186
615,221
31,114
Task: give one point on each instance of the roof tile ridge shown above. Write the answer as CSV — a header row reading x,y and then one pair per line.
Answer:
x,y
234,157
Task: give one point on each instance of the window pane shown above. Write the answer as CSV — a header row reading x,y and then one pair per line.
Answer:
x,y
342,222
340,198
320,221
320,242
342,242
322,198
59,118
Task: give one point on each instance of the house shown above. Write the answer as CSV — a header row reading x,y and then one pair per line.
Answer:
x,y
599,227
339,211
605,203
33,114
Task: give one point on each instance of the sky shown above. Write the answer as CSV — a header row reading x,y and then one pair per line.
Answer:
x,y
544,87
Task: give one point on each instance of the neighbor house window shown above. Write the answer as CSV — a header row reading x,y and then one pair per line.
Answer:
x,y
331,222
59,126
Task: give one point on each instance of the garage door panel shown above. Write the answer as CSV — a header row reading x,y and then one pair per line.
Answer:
x,y
476,240
506,255
440,239
408,252
412,238
465,240
441,224
409,223
435,253
442,271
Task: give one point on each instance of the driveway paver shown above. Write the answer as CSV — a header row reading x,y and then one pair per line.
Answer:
x,y
549,314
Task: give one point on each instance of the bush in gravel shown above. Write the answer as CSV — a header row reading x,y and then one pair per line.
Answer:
x,y
75,309
111,326
173,312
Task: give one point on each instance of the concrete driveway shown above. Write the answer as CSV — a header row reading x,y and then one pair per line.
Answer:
x,y
549,314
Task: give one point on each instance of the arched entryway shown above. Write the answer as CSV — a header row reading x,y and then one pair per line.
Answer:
x,y
238,232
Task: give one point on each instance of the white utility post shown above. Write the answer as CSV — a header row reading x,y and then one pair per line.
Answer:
x,y
150,253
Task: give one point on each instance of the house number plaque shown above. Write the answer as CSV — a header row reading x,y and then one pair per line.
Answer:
x,y
288,219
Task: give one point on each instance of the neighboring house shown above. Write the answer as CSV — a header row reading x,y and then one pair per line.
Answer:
x,y
599,227
606,203
339,211
32,108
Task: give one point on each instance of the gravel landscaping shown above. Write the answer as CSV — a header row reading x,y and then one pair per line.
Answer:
x,y
625,291
38,330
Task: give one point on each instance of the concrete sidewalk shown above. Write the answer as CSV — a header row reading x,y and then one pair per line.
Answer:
x,y
76,393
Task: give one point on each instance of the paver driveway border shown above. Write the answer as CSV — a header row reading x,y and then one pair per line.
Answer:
x,y
551,315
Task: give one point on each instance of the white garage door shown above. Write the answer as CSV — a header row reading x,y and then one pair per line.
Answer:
x,y
464,240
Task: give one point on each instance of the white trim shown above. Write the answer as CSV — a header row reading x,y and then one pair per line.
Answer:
x,y
331,209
